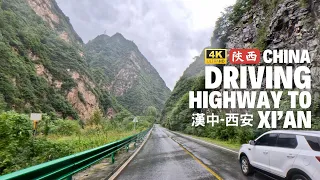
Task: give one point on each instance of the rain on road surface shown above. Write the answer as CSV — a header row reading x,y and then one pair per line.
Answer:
x,y
163,158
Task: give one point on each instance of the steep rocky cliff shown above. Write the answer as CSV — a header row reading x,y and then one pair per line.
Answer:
x,y
263,24
285,24
126,73
42,65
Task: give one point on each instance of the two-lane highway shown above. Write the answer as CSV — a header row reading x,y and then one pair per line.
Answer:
x,y
168,155
162,158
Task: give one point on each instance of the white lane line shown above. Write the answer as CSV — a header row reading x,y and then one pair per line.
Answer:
x,y
199,140
117,173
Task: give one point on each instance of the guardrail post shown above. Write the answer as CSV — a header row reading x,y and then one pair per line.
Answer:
x,y
112,158
127,147
67,166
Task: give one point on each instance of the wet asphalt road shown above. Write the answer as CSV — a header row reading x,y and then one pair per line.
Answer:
x,y
163,158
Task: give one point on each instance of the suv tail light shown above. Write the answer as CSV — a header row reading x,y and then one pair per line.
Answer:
x,y
318,157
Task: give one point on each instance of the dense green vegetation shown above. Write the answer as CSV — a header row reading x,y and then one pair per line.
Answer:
x,y
27,41
58,137
33,59
222,29
182,87
119,65
23,32
239,9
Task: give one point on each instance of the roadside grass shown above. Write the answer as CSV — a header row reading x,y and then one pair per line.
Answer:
x,y
56,138
227,144
88,140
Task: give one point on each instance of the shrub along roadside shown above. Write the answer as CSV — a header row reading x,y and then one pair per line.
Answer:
x,y
56,138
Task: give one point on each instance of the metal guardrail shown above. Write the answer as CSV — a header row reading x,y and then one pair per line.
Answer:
x,y
64,168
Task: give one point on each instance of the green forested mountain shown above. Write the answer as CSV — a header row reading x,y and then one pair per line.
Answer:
x,y
177,104
43,66
126,73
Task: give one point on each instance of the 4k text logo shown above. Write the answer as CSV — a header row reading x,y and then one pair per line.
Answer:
x,y
215,56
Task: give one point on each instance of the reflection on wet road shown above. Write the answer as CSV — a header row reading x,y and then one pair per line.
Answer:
x,y
163,158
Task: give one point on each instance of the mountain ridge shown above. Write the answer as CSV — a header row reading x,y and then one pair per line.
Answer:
x,y
44,66
121,59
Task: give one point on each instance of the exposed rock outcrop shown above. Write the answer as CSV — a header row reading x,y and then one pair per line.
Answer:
x,y
49,11
291,25
83,100
43,8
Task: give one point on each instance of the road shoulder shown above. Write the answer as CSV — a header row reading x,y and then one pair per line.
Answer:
x,y
201,140
126,163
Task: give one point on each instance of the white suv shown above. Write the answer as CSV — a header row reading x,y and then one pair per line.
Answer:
x,y
293,155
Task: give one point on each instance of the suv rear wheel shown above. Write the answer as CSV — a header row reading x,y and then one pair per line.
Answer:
x,y
246,167
299,177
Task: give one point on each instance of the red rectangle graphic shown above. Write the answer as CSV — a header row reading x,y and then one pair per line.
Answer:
x,y
244,56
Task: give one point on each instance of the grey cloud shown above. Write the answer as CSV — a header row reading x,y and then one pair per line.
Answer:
x,y
161,29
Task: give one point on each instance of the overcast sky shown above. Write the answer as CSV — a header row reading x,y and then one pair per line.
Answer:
x,y
169,33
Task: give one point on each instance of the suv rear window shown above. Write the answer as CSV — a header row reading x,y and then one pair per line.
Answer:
x,y
314,142
287,141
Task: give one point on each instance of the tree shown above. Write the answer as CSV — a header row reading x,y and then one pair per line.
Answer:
x,y
3,104
96,118
151,111
222,29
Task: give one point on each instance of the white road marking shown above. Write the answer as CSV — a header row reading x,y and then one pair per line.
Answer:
x,y
204,142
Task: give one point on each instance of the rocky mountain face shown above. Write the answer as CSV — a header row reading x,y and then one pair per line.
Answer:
x,y
43,66
126,73
49,11
275,24
285,24
83,96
